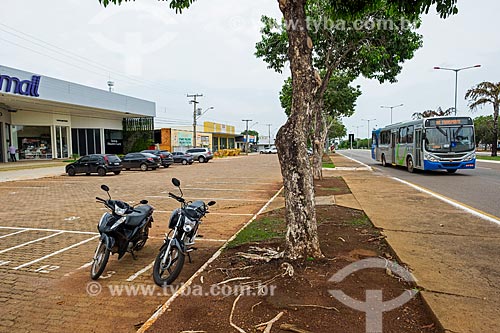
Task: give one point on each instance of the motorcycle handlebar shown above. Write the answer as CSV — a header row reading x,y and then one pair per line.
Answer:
x,y
100,199
180,199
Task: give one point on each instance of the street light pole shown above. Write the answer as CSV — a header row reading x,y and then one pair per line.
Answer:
x,y
391,107
194,96
456,70
368,120
269,137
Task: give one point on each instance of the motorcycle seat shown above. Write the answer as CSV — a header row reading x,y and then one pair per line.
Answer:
x,y
136,217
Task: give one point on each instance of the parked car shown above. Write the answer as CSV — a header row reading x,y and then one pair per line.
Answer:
x,y
143,161
180,157
165,156
271,150
95,163
202,155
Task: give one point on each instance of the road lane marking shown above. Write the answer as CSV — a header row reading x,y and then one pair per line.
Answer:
x,y
14,233
165,306
55,253
52,230
31,242
468,209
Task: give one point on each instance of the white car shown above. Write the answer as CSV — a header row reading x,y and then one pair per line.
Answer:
x,y
271,150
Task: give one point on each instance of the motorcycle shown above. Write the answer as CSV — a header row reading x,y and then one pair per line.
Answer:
x,y
184,223
124,229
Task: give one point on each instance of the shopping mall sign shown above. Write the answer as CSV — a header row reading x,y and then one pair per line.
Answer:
x,y
11,84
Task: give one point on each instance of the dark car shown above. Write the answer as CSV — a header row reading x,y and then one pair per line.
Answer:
x,y
143,161
180,157
202,155
164,155
95,163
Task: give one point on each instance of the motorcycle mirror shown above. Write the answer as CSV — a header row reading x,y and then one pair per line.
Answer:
x,y
105,188
176,182
143,202
211,203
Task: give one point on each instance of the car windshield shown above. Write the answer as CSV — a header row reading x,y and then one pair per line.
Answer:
x,y
449,139
113,158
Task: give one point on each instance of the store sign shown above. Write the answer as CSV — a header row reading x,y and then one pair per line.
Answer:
x,y
114,142
11,84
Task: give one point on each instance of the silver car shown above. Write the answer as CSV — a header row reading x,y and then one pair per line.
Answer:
x,y
202,155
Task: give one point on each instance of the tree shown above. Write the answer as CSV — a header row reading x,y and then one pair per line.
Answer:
x,y
431,113
483,126
302,237
252,132
339,100
347,49
486,93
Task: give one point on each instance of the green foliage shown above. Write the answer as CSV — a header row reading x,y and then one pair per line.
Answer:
x,y
337,129
178,5
484,129
260,230
252,132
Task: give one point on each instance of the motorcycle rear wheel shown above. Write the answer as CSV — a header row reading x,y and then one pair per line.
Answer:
x,y
166,274
100,260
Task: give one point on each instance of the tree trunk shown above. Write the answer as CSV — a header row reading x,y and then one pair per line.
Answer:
x,y
302,234
495,130
320,134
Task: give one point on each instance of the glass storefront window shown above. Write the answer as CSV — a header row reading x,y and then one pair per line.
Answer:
x,y
33,142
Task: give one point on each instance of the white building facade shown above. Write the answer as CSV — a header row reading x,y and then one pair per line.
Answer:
x,y
47,118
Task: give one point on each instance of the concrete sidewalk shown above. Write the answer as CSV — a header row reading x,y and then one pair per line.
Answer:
x,y
30,170
452,254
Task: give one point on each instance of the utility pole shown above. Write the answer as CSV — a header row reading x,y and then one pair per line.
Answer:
x,y
194,96
269,128
246,141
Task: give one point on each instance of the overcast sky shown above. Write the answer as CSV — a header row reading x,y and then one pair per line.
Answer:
x,y
154,54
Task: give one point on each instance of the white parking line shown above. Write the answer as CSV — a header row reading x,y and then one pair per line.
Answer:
x,y
55,253
136,275
216,199
31,242
221,189
245,183
52,230
14,233
211,213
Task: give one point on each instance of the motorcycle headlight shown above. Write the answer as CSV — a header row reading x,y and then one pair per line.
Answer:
x,y
117,223
120,211
188,225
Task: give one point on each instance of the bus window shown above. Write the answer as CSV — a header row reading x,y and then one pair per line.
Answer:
x,y
410,134
402,135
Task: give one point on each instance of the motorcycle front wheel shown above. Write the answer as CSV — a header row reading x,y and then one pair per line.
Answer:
x,y
100,260
167,273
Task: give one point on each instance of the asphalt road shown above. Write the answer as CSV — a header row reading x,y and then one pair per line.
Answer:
x,y
479,188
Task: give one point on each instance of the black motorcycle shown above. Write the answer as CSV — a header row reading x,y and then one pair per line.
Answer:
x,y
124,229
184,223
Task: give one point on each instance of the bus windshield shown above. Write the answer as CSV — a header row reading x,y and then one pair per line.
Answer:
x,y
449,139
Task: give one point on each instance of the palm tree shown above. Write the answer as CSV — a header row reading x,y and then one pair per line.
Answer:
x,y
431,113
484,93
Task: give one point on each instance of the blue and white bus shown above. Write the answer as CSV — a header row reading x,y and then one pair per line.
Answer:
x,y
439,143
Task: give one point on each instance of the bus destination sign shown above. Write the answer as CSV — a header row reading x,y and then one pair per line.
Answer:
x,y
448,122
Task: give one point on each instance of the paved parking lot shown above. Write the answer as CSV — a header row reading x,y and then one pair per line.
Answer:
x,y
48,236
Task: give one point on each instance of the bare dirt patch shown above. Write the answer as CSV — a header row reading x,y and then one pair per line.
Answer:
x,y
303,299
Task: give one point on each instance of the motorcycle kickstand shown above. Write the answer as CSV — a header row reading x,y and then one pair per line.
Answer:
x,y
133,255
189,257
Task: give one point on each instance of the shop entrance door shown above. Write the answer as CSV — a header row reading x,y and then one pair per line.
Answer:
x,y
62,142
2,149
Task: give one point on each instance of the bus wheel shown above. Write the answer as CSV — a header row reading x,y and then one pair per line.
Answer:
x,y
384,162
451,170
409,165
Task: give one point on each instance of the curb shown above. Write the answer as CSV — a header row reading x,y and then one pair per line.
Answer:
x,y
165,306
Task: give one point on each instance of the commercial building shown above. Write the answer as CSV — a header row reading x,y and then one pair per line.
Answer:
x,y
212,135
47,118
